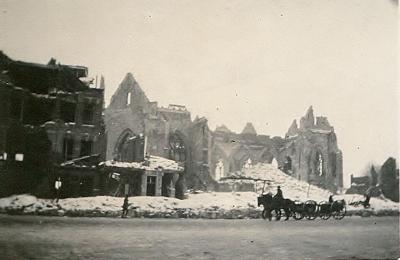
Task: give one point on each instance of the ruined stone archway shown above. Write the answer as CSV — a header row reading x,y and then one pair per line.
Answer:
x,y
267,156
178,150
287,165
120,149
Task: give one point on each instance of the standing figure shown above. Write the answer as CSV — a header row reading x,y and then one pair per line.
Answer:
x,y
125,207
57,186
367,197
279,196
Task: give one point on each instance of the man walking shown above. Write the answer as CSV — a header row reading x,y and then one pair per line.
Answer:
x,y
125,207
57,186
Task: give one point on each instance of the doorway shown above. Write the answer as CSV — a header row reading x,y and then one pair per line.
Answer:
x,y
151,185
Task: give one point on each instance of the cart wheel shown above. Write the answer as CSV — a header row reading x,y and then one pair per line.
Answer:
x,y
338,210
324,209
340,214
311,209
264,214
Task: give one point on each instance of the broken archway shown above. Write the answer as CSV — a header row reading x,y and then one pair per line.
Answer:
x,y
121,150
178,151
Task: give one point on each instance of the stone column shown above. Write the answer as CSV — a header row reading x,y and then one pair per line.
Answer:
x,y
174,179
159,182
143,186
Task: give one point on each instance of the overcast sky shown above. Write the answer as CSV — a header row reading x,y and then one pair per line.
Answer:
x,y
234,61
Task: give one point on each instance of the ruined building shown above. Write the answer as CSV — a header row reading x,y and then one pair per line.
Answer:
x,y
169,131
49,114
308,152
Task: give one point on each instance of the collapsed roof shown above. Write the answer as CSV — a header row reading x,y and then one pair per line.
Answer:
x,y
42,78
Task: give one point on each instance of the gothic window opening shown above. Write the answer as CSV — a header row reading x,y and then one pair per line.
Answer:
x,y
219,170
319,164
128,99
177,149
88,113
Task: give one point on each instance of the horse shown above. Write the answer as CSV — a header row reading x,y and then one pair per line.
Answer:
x,y
270,203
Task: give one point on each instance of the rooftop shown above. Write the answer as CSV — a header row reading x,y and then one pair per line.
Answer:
x,y
153,163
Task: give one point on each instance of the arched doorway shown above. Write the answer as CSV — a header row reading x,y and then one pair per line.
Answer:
x,y
178,152
121,149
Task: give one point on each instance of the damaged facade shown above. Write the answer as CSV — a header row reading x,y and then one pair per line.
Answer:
x,y
308,152
170,133
52,126
49,115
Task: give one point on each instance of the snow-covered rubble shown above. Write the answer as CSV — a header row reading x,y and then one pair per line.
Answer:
x,y
152,164
292,188
197,205
27,204
202,205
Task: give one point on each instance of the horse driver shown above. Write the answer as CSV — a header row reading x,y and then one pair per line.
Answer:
x,y
331,198
279,196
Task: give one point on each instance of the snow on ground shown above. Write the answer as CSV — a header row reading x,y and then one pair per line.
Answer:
x,y
200,204
26,203
377,204
207,205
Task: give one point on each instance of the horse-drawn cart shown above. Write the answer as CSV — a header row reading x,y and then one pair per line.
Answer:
x,y
299,210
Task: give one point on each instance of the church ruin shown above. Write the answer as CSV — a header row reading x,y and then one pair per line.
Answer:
x,y
169,131
308,152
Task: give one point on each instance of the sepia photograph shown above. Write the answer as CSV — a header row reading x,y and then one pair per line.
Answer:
x,y
199,129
